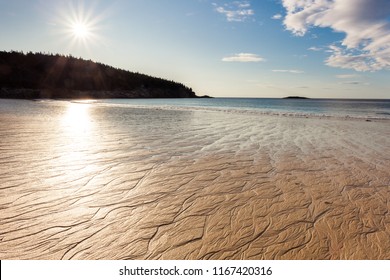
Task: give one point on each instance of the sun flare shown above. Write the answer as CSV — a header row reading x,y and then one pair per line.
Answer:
x,y
81,24
80,30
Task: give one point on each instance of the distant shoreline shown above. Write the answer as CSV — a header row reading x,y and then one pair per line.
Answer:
x,y
25,93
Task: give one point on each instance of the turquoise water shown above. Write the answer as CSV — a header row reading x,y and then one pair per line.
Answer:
x,y
344,108
377,109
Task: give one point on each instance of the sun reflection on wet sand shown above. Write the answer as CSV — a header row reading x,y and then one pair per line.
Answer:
x,y
76,120
76,126
74,148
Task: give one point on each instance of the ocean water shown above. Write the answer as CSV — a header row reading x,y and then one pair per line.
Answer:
x,y
339,108
345,108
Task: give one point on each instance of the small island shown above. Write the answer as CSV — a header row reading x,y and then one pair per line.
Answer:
x,y
37,75
295,97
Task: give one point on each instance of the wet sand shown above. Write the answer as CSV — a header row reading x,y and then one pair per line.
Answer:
x,y
84,181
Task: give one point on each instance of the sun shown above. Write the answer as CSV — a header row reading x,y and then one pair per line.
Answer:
x,y
81,24
80,30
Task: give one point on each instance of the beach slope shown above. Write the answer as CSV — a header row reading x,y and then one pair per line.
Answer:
x,y
120,183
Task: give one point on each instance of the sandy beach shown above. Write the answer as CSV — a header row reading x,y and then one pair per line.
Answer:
x,y
83,181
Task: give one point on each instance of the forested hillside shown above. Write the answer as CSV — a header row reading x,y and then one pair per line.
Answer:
x,y
37,75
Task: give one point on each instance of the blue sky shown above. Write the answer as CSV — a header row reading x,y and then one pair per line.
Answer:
x,y
262,48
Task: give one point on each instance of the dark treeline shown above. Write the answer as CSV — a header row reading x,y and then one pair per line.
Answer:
x,y
37,75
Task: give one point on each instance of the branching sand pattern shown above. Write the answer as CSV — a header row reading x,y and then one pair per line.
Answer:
x,y
84,181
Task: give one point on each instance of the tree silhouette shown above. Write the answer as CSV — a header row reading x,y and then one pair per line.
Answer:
x,y
37,75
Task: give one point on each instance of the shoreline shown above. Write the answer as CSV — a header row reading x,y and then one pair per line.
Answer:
x,y
229,110
137,93
245,111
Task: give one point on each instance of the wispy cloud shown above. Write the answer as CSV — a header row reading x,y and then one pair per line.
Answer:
x,y
315,49
243,57
292,71
235,11
355,83
347,76
351,79
357,59
277,16
365,23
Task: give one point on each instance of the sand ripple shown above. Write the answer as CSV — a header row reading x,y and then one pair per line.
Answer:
x,y
81,181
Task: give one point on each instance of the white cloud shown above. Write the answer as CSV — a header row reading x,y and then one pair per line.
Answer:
x,y
365,23
315,49
277,16
236,11
293,71
243,57
243,4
